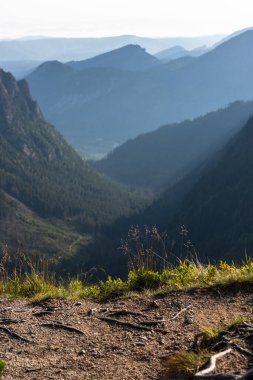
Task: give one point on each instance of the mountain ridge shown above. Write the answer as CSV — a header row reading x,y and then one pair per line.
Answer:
x,y
128,57
43,176
121,105
176,148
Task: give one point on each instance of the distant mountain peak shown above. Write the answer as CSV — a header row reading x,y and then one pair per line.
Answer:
x,y
52,67
128,57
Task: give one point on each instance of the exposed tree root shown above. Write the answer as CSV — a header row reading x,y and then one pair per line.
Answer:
x,y
220,376
211,365
125,312
113,321
61,326
14,335
42,313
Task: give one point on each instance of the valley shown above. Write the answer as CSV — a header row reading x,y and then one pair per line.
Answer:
x,y
126,209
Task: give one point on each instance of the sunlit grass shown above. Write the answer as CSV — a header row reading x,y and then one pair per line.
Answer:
x,y
185,276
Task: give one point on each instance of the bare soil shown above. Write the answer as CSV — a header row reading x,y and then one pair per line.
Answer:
x,y
106,350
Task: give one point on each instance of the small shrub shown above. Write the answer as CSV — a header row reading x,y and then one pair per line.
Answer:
x,y
75,286
112,287
143,279
90,292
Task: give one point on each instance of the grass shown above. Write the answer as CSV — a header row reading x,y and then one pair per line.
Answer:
x,y
2,366
187,275
212,334
186,363
150,271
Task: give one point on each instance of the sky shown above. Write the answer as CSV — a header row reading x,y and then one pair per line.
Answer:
x,y
94,18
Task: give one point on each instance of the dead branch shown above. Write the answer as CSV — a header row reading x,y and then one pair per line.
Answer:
x,y
14,335
61,326
211,365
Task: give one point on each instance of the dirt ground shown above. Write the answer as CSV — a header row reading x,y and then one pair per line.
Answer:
x,y
103,350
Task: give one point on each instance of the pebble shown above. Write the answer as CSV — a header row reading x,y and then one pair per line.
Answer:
x,y
188,321
82,352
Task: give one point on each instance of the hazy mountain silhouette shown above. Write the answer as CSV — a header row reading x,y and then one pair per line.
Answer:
x,y
164,156
98,108
178,52
67,49
130,57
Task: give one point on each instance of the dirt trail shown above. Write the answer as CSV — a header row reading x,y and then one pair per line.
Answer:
x,y
107,351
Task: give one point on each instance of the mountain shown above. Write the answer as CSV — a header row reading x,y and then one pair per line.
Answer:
x,y
178,52
130,57
67,49
162,157
48,194
99,108
218,210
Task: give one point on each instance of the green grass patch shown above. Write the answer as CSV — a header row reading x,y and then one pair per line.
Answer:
x,y
186,363
210,334
237,321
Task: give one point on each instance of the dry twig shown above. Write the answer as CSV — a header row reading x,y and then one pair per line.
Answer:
x,y
180,312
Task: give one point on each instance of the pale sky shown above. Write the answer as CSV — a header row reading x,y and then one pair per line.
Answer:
x,y
84,18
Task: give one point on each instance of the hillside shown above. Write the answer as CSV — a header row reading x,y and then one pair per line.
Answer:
x,y
176,149
130,57
98,108
217,211
47,191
